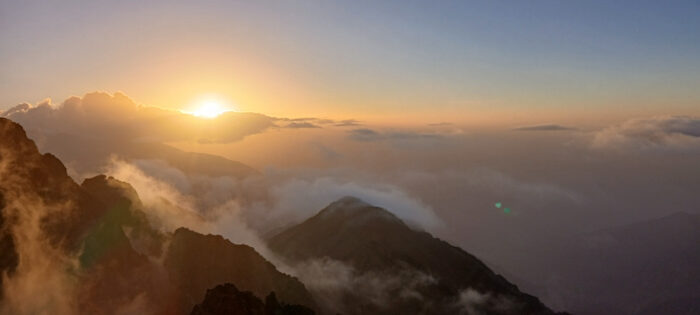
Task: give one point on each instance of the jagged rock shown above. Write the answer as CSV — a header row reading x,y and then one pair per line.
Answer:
x,y
196,262
83,221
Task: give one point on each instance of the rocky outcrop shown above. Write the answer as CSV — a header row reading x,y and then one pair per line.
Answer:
x,y
95,238
197,262
227,299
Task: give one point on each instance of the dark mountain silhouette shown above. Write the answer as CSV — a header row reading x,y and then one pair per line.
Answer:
x,y
45,216
371,239
197,262
226,299
115,251
86,221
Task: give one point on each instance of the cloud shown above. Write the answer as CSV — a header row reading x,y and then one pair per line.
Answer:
x,y
674,132
331,282
364,134
322,121
17,109
325,151
473,302
348,123
38,283
547,127
297,125
242,209
308,121
117,117
172,200
369,135
441,124
297,198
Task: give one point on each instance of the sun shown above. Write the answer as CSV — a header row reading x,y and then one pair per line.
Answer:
x,y
209,109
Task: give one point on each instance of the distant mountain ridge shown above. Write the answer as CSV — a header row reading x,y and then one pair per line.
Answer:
x,y
89,155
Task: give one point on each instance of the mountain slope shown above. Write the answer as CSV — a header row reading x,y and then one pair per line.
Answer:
x,y
197,262
89,248
372,239
227,299
49,222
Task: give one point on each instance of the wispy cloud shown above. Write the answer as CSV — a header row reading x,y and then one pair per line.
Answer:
x,y
667,132
544,127
301,125
366,134
348,123
441,124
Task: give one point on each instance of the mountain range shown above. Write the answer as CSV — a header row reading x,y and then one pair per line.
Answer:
x,y
91,249
96,237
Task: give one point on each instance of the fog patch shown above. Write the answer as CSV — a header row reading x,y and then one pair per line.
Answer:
x,y
661,132
331,282
472,302
303,198
40,284
168,209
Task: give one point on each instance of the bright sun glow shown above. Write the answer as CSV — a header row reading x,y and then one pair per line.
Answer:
x,y
209,109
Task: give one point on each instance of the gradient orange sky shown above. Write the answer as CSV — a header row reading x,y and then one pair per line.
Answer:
x,y
396,61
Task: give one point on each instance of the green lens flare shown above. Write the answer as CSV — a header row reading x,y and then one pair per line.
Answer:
x,y
498,205
506,210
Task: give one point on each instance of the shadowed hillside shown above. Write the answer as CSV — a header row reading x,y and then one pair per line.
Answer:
x,y
372,240
90,249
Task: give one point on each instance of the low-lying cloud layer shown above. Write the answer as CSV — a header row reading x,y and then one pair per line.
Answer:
x,y
332,281
277,199
547,127
678,132
366,134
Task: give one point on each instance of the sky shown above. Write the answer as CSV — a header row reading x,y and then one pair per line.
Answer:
x,y
394,61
